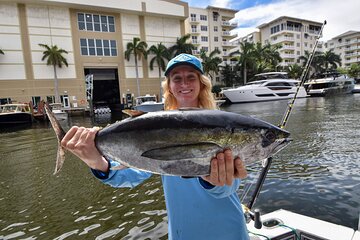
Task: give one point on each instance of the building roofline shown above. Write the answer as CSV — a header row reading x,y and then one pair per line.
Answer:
x,y
287,17
345,34
223,9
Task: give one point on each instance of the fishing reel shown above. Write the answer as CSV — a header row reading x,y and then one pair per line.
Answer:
x,y
253,216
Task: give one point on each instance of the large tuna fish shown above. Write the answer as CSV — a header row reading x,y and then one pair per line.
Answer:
x,y
183,142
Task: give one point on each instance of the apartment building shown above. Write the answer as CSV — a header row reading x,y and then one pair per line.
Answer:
x,y
295,36
95,34
347,45
210,29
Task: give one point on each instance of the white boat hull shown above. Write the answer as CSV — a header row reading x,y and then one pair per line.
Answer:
x,y
150,107
243,95
60,115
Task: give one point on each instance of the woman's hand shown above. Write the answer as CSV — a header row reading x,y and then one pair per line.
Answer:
x,y
81,142
224,169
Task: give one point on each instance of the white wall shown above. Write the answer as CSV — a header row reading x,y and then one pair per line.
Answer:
x,y
12,62
51,26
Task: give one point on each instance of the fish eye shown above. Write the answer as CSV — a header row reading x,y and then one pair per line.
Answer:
x,y
270,135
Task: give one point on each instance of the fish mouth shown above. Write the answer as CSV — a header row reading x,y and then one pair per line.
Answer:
x,y
281,143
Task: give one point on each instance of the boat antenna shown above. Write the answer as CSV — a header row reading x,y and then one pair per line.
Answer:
x,y
302,80
255,216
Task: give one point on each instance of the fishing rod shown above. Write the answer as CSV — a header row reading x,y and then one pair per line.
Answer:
x,y
266,165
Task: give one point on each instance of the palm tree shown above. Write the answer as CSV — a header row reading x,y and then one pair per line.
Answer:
x,y
138,48
272,55
246,57
330,58
162,55
316,61
54,57
182,46
210,63
294,71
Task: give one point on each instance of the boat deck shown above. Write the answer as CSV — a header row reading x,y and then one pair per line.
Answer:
x,y
286,225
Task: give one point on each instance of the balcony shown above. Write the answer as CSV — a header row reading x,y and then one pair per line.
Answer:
x,y
226,33
288,47
283,39
195,52
352,60
287,55
195,42
228,44
228,24
195,31
194,20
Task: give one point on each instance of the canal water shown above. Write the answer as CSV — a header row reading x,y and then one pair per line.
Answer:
x,y
316,175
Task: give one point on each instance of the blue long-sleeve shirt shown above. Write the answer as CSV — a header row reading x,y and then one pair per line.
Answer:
x,y
195,208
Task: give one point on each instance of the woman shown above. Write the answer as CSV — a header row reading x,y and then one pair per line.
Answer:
x,y
198,208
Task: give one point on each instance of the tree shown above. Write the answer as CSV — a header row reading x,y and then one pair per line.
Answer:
x,y
182,46
354,70
162,55
316,62
210,63
54,56
246,57
294,71
138,49
231,75
330,59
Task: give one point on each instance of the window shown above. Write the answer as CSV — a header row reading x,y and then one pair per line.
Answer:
x,y
298,44
81,21
194,39
203,17
203,28
204,39
206,49
193,17
95,22
215,28
216,39
91,44
193,28
98,47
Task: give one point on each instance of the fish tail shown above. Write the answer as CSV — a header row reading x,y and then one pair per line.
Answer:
x,y
60,133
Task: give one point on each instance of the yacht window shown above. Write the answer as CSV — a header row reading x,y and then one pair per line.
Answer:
x,y
272,84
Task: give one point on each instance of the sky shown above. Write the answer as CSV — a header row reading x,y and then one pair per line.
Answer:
x,y
341,15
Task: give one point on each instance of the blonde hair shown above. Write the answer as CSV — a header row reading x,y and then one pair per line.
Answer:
x,y
206,97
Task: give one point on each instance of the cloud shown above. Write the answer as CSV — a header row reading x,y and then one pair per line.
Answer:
x,y
341,16
221,3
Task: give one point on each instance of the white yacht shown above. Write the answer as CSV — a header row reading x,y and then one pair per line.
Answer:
x,y
357,86
148,103
329,83
266,87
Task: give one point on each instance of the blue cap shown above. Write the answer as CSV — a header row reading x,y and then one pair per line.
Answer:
x,y
184,59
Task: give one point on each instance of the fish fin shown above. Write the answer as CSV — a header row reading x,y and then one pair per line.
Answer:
x,y
60,158
119,167
133,113
185,151
60,133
